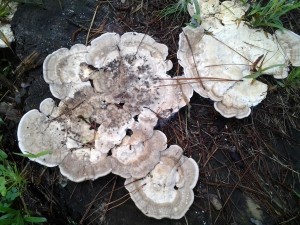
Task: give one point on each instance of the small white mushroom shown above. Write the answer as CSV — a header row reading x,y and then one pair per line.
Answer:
x,y
166,192
139,159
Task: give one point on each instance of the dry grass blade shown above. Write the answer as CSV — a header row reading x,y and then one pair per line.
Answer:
x,y
6,41
94,199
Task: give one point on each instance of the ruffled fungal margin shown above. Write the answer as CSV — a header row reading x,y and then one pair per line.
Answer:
x,y
166,192
66,138
137,160
111,95
61,71
221,60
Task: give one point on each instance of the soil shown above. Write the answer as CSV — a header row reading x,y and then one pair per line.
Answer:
x,y
250,166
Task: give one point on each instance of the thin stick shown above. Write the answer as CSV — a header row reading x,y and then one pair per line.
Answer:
x,y
92,22
94,199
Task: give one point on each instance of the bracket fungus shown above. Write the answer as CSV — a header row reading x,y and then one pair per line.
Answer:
x,y
61,71
225,61
139,159
111,95
66,139
166,192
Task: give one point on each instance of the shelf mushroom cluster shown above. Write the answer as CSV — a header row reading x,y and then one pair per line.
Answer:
x,y
224,51
111,94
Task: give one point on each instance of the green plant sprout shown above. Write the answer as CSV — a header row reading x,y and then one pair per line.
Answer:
x,y
34,156
175,8
181,7
259,72
293,80
10,178
12,185
4,9
196,18
268,15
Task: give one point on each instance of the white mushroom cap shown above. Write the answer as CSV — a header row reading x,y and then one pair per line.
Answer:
x,y
290,45
37,132
138,160
61,71
216,63
213,61
167,190
66,137
239,98
85,164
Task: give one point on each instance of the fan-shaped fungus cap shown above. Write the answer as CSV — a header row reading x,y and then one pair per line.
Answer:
x,y
37,133
167,190
239,98
61,71
85,164
66,138
290,45
219,61
139,159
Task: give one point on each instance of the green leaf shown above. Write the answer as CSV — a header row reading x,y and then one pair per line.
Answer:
x,y
8,210
12,194
19,218
7,221
297,194
33,219
3,155
33,156
2,186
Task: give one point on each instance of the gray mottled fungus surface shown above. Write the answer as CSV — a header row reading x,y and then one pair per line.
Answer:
x,y
223,58
112,93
